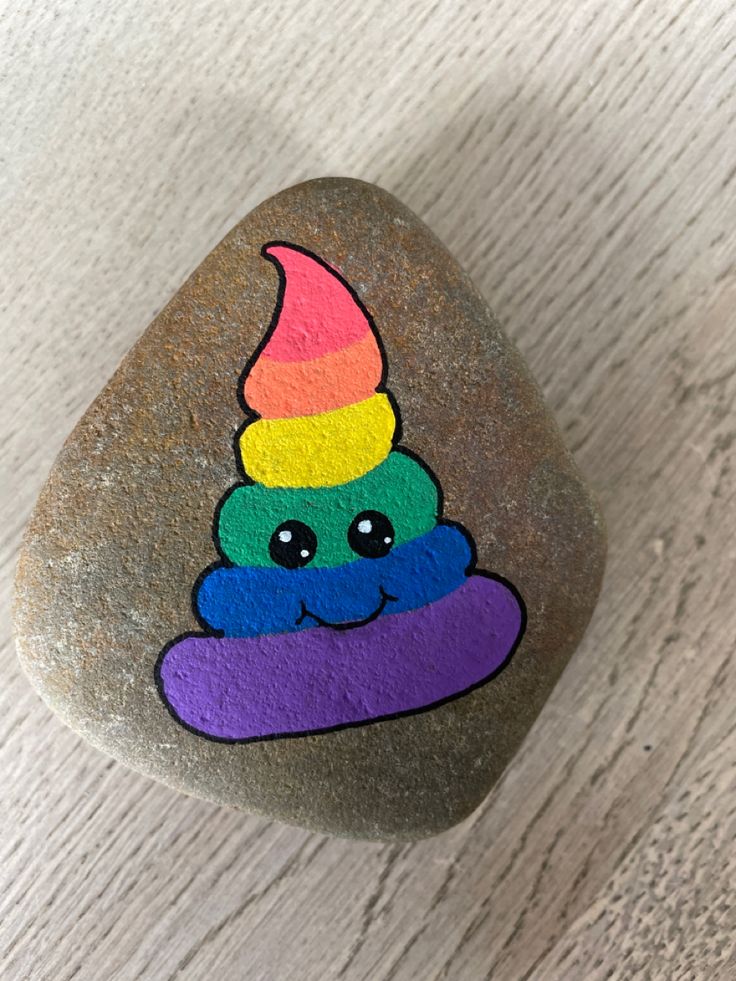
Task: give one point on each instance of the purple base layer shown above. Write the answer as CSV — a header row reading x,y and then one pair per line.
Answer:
x,y
240,689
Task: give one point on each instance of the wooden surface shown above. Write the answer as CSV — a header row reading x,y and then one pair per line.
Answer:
x,y
580,160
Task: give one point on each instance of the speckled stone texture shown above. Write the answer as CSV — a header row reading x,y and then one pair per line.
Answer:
x,y
123,526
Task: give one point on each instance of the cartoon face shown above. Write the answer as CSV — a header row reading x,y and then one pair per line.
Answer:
x,y
334,556
342,595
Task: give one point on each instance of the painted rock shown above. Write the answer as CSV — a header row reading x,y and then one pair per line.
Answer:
x,y
317,550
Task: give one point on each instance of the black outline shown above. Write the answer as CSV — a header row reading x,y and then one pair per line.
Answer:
x,y
348,624
362,722
279,306
224,562
250,414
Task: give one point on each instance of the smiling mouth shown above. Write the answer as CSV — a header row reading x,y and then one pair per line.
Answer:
x,y
348,624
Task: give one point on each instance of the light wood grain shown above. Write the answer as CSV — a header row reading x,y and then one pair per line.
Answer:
x,y
580,160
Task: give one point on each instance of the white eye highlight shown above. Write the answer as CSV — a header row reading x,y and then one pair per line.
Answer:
x,y
365,527
285,536
304,553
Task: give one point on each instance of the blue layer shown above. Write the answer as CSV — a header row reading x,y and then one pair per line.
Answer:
x,y
246,601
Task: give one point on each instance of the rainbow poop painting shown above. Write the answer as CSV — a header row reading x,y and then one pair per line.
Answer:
x,y
342,596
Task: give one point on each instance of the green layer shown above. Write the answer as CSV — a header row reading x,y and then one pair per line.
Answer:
x,y
399,487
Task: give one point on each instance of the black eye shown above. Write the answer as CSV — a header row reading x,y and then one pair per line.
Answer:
x,y
371,534
292,545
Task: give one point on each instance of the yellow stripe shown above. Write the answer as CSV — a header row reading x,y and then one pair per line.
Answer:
x,y
320,450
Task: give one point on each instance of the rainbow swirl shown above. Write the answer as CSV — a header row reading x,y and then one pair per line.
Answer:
x,y
342,596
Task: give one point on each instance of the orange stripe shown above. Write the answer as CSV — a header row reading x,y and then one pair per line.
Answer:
x,y
284,389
